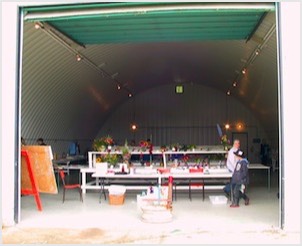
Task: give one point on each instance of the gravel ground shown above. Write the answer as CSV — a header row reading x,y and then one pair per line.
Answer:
x,y
19,235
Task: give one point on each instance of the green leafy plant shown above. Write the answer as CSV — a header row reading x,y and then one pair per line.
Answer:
x,y
126,152
112,159
103,143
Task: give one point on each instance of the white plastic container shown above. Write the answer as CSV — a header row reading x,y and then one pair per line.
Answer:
x,y
218,200
117,189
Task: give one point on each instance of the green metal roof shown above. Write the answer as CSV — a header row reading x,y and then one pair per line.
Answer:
x,y
149,22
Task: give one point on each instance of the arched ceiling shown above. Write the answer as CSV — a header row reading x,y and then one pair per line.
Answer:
x,y
122,45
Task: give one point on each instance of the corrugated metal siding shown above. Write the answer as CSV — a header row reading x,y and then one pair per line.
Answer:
x,y
59,93
64,100
154,22
190,118
161,27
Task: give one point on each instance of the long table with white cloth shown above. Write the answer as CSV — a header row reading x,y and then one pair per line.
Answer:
x,y
201,176
200,150
219,174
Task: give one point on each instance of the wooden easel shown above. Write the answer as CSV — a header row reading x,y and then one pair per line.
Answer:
x,y
37,174
25,189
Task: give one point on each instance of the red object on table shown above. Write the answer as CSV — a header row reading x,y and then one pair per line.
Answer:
x,y
163,170
198,170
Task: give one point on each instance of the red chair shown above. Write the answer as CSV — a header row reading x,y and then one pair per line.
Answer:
x,y
69,186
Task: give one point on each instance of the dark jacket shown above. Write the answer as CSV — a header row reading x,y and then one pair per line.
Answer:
x,y
241,172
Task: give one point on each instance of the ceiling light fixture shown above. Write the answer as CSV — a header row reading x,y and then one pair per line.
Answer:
x,y
37,25
133,126
227,126
234,84
118,87
78,57
255,53
258,49
239,126
70,45
228,93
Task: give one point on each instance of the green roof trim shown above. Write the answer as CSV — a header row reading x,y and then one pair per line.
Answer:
x,y
93,24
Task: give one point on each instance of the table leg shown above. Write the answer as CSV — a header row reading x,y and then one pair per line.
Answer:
x,y
190,190
102,181
58,178
269,179
83,182
203,190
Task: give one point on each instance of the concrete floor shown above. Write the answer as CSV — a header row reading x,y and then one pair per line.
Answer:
x,y
194,222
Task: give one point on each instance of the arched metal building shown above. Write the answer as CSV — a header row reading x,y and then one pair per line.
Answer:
x,y
79,71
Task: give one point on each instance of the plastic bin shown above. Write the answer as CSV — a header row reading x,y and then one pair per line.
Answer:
x,y
116,199
217,200
117,194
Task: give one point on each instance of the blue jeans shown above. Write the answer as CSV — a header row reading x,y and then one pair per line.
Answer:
x,y
228,187
237,194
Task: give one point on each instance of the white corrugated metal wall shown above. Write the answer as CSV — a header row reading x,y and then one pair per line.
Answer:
x,y
188,118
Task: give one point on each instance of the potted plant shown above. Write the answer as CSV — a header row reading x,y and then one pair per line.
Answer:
x,y
225,142
103,144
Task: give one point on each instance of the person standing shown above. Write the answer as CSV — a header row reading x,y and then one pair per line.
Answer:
x,y
231,163
231,160
74,148
240,179
40,141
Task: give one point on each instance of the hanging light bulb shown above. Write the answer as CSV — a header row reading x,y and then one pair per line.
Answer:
x,y
118,87
37,25
243,71
227,126
228,93
129,95
239,126
78,57
234,84
133,126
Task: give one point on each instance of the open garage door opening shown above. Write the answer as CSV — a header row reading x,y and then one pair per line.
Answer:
x,y
180,72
